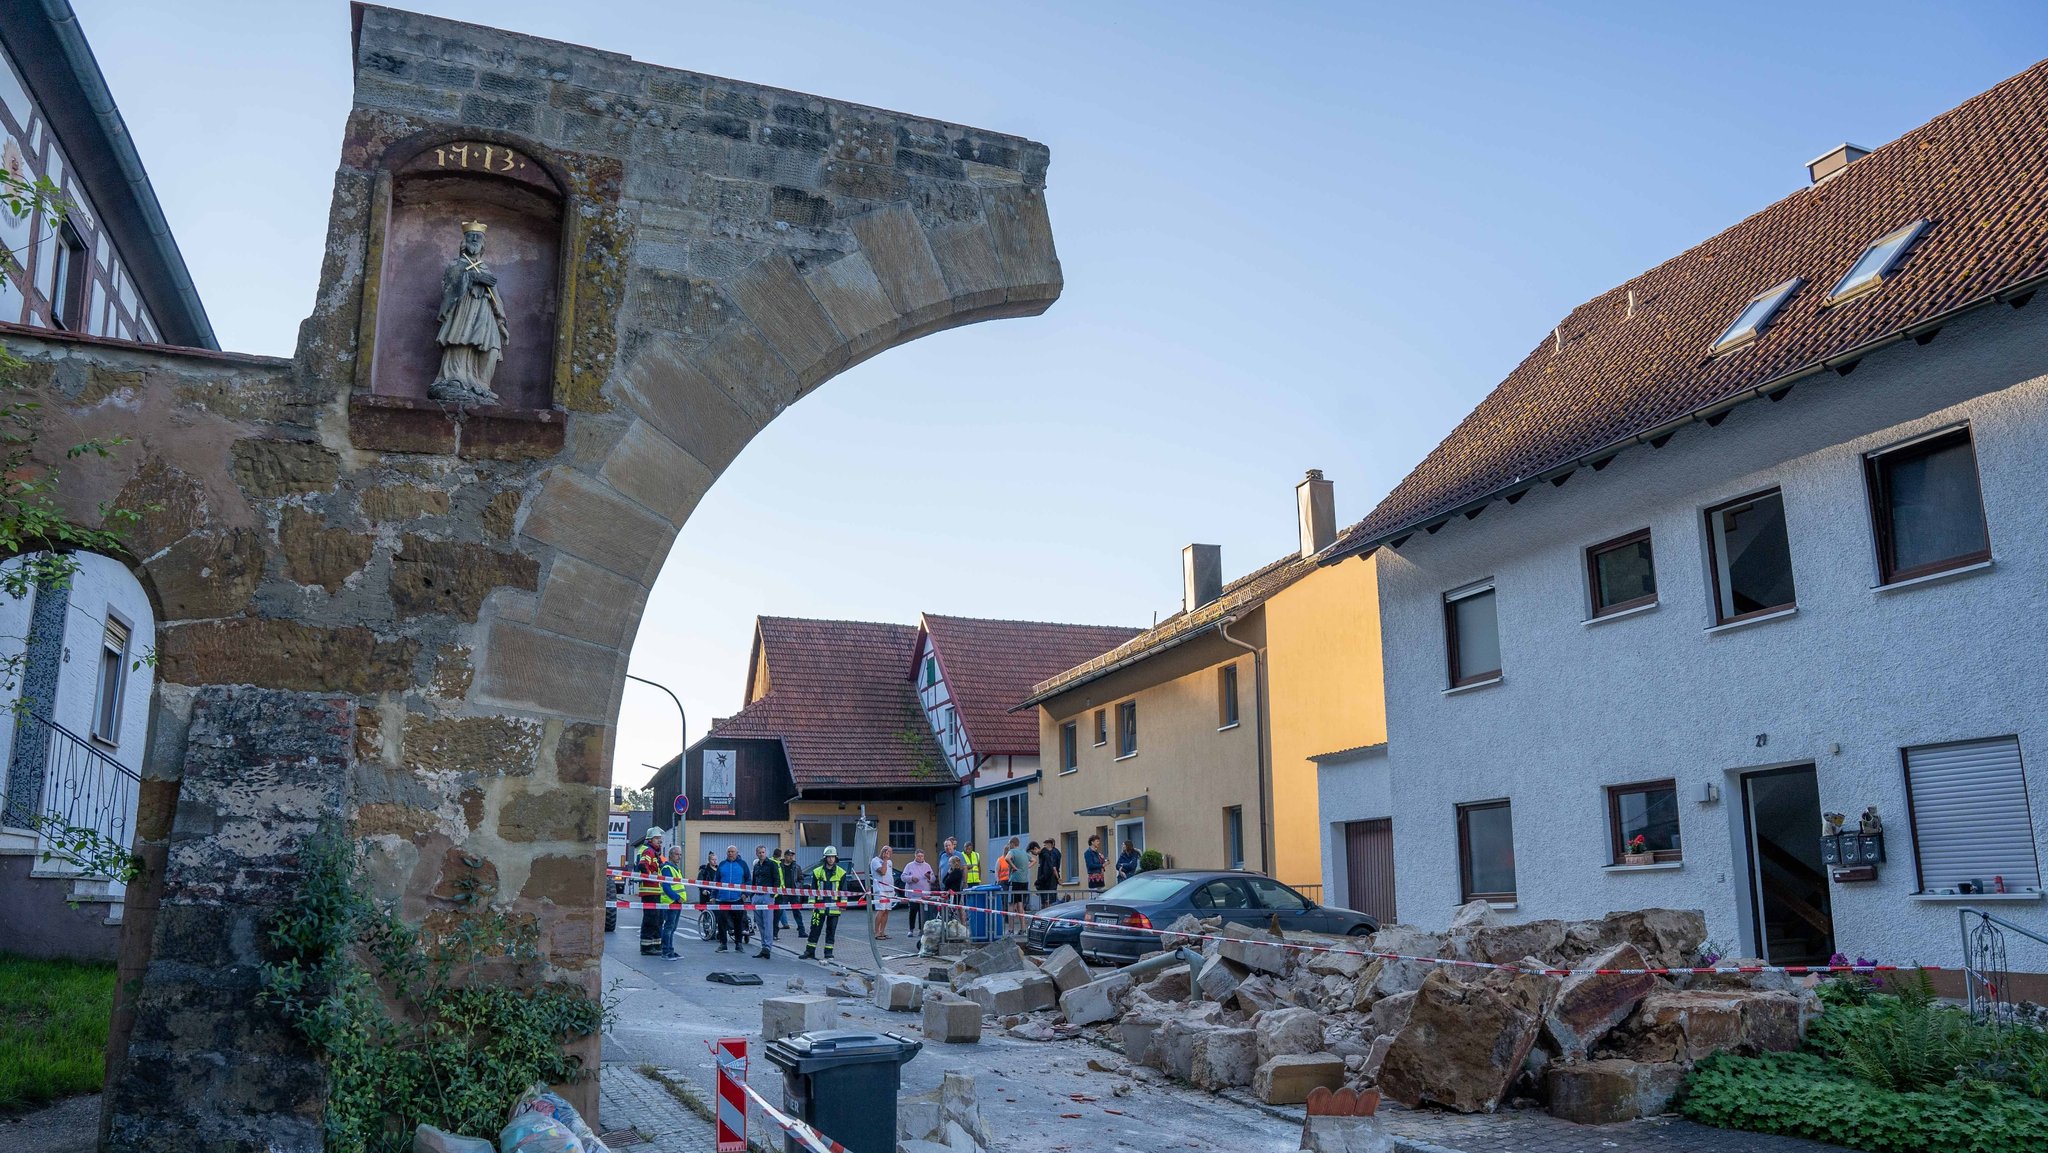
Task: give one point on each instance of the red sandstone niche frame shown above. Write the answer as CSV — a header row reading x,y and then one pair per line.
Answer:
x,y
426,186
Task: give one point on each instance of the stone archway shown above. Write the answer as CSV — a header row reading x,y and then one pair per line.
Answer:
x,y
417,616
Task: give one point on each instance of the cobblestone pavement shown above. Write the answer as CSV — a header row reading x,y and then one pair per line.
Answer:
x,y
628,1099
1428,1131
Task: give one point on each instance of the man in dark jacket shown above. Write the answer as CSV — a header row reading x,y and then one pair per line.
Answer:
x,y
767,875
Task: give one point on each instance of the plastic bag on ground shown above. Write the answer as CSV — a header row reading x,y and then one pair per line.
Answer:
x,y
537,1133
428,1139
539,1101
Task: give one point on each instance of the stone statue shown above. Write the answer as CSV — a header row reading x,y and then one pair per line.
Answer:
x,y
473,332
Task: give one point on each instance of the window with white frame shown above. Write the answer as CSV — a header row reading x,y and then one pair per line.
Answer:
x,y
1472,635
1226,696
113,681
1008,816
1070,747
1971,821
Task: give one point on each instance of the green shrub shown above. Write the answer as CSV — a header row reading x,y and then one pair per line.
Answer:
x,y
1151,859
53,1029
1804,1095
1904,1041
445,1029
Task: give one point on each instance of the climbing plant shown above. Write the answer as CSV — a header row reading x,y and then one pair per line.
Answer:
x,y
417,1026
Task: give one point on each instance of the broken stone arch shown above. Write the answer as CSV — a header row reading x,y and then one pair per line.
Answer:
x,y
417,615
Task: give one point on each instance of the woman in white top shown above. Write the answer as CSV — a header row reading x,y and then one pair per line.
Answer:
x,y
918,879
883,869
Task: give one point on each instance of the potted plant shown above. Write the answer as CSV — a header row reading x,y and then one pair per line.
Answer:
x,y
1637,852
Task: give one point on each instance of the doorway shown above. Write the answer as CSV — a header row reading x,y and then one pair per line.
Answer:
x,y
1788,884
1369,868
1132,831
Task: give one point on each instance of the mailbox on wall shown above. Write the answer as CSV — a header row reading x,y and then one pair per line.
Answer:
x,y
1852,856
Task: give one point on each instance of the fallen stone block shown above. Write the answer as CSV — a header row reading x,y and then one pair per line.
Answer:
x,y
1375,1058
1032,1030
1176,984
1219,978
1588,1005
1224,1058
1690,1025
897,992
1173,1049
1344,960
1667,937
1005,993
1606,1091
1253,995
1066,969
1289,1079
1095,1002
1187,928
1390,1014
945,1118
999,956
951,1020
1286,1032
1346,1135
785,1016
1472,915
1256,950
1505,944
1396,976
1462,1047
1139,1037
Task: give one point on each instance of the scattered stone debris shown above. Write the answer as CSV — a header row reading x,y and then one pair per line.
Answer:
x,y
944,1119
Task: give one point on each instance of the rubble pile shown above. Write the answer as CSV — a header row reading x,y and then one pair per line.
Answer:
x,y
1238,1009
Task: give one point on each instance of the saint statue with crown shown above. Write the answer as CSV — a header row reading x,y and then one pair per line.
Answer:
x,y
473,332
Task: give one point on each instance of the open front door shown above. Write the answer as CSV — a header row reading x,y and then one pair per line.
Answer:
x,y
1788,884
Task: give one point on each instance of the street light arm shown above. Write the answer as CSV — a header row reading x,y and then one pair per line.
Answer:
x,y
680,715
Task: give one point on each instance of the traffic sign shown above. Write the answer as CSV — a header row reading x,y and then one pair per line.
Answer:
x,y
682,803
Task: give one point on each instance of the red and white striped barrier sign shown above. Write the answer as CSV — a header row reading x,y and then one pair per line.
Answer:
x,y
732,1094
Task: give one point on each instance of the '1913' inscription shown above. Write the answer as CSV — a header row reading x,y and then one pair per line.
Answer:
x,y
484,157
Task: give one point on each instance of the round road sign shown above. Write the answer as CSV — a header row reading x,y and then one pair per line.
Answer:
x,y
682,803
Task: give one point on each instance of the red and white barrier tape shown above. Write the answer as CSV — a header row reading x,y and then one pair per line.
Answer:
x,y
725,886
799,906
818,1142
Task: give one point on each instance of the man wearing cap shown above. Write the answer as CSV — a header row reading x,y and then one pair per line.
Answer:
x,y
830,878
648,866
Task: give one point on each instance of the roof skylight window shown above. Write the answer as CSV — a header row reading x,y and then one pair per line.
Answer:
x,y
1757,313
1877,262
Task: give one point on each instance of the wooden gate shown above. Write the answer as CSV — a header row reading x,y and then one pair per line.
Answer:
x,y
1369,868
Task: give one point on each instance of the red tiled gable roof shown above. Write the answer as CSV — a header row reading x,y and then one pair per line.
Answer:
x,y
839,703
1978,175
991,665
1241,595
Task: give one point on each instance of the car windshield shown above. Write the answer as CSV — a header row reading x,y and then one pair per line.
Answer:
x,y
1146,889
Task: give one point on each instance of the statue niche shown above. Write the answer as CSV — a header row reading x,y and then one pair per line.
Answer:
x,y
452,326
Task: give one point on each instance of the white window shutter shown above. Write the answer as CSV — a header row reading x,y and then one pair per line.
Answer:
x,y
1971,821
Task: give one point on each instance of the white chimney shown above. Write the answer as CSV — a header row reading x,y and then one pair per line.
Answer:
x,y
1831,162
1316,500
1201,572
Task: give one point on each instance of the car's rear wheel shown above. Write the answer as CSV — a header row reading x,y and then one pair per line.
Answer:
x,y
1361,931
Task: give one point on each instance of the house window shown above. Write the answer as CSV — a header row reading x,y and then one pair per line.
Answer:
x,y
813,834
1486,852
952,728
1070,857
1233,837
1751,557
67,293
1472,634
1649,811
1127,729
1622,574
847,838
931,671
113,682
1970,816
1226,696
1101,727
903,836
1875,265
1008,816
1755,315
1070,747
1926,506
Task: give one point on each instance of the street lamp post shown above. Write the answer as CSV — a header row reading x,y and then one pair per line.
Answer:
x,y
682,736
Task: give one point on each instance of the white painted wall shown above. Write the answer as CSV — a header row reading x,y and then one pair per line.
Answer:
x,y
1356,788
101,585
1655,695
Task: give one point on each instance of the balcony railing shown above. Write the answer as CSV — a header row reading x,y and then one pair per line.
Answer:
x,y
83,787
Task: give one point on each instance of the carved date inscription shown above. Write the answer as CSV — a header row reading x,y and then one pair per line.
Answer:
x,y
478,157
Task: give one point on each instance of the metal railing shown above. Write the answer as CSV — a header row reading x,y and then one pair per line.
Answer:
x,y
83,788
1985,975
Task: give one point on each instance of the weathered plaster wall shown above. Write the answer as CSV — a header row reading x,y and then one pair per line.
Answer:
x,y
459,589
1652,695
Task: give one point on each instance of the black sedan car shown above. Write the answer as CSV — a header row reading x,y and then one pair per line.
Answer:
x,y
1060,925
1119,926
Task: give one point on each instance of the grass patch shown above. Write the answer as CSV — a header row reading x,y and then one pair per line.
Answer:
x,y
53,1029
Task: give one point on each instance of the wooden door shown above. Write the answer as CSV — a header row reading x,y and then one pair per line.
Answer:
x,y
1369,868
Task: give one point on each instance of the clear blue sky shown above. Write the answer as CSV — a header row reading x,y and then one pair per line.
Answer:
x,y
1294,236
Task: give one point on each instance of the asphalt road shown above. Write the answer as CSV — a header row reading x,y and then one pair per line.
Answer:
x,y
1037,1097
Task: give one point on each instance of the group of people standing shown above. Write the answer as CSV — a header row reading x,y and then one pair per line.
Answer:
x,y
1020,868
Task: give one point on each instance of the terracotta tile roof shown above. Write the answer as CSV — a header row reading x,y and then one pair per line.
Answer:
x,y
841,706
1241,595
1978,175
991,665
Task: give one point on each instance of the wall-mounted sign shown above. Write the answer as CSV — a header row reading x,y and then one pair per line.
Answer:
x,y
721,782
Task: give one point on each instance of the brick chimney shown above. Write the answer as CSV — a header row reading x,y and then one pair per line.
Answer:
x,y
1316,500
1201,571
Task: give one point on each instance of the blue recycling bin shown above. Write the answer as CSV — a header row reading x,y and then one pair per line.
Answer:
x,y
985,905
